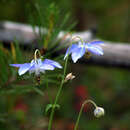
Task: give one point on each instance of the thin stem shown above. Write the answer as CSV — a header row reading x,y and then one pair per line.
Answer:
x,y
79,38
80,112
57,96
89,101
35,54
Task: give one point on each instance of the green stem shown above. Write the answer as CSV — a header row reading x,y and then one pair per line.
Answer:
x,y
35,54
80,112
57,96
79,38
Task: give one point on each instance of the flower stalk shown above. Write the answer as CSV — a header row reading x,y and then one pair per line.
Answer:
x,y
35,54
97,112
78,38
57,96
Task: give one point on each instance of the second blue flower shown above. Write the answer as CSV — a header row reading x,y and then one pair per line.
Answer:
x,y
78,50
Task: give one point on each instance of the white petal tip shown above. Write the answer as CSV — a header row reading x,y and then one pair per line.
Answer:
x,y
20,74
102,54
74,61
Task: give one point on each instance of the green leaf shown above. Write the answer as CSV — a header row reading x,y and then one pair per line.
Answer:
x,y
49,106
57,106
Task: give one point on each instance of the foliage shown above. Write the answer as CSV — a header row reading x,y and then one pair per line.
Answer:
x,y
23,101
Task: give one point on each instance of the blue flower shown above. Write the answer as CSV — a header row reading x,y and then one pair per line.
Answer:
x,y
37,66
78,50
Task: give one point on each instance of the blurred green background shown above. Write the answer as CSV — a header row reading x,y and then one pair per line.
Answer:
x,y
22,108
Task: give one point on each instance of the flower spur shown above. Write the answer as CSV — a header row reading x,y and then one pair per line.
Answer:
x,y
78,50
37,66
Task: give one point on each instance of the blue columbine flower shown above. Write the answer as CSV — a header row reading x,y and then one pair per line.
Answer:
x,y
36,66
78,50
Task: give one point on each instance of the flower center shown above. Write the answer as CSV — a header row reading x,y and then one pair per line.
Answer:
x,y
81,45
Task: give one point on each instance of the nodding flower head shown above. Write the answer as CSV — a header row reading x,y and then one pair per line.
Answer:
x,y
78,50
98,112
37,66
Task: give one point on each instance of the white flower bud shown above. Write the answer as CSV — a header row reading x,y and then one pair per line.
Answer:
x,y
69,77
98,112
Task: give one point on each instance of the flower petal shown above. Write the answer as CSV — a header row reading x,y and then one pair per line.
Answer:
x,y
45,66
16,65
97,50
96,43
78,53
70,49
53,63
24,68
32,69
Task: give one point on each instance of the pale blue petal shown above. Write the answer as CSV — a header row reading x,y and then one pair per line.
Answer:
x,y
70,50
16,65
97,50
96,43
45,66
33,62
78,53
53,63
32,69
39,61
24,68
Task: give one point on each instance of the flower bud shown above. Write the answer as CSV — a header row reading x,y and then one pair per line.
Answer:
x,y
69,77
98,112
